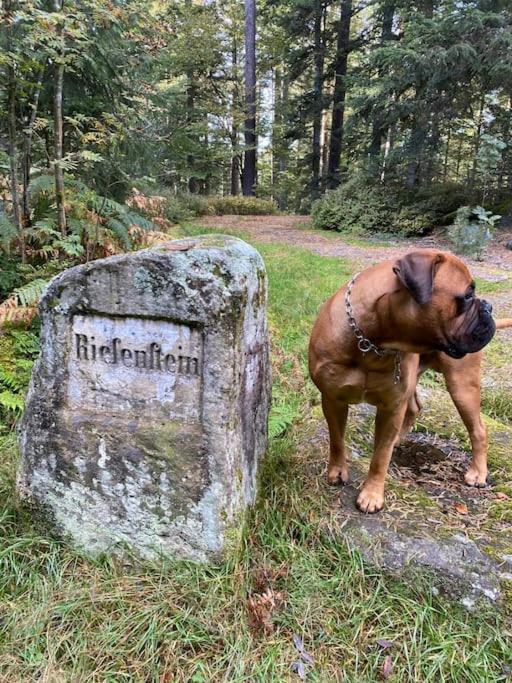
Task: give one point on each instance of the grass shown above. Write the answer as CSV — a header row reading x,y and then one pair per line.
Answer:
x,y
65,617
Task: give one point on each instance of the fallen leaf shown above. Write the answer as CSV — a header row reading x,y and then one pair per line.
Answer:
x,y
299,668
501,496
387,667
297,641
384,644
261,606
461,508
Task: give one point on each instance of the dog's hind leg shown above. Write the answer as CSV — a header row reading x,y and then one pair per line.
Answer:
x,y
336,414
463,382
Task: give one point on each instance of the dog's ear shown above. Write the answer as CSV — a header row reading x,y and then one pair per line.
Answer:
x,y
416,271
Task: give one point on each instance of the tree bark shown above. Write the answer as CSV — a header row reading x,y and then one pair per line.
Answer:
x,y
249,178
193,185
235,155
379,129
340,90
58,130
11,123
317,99
27,158
282,200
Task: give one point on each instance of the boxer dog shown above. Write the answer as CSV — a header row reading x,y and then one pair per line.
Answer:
x,y
374,337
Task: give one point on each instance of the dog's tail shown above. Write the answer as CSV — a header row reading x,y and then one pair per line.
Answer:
x,y
503,323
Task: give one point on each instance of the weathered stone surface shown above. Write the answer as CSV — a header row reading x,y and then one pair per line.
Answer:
x,y
147,411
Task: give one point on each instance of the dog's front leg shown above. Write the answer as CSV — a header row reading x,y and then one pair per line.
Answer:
x,y
387,430
336,414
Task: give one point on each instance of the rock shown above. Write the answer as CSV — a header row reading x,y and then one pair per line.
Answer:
x,y
508,245
147,410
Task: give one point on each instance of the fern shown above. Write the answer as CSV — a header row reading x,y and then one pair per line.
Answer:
x,y
9,380
29,294
280,419
12,402
7,231
120,231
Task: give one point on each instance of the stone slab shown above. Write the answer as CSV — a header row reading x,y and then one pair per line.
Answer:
x,y
147,411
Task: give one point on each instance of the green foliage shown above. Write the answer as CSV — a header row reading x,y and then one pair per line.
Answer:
x,y
242,206
10,276
30,293
360,207
18,350
181,207
7,231
472,230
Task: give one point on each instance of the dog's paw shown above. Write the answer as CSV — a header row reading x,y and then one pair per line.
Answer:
x,y
475,477
370,500
337,476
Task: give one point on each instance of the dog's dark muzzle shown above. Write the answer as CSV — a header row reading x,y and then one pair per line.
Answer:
x,y
476,336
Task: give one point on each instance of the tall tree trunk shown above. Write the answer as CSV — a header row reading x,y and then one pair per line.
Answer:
x,y
379,128
282,200
249,178
325,149
11,122
276,126
447,151
27,157
417,142
317,99
472,178
235,155
338,102
193,185
419,132
58,129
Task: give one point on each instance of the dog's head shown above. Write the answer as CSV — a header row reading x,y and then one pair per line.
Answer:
x,y
444,309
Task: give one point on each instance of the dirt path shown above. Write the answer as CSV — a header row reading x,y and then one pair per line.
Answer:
x,y
296,230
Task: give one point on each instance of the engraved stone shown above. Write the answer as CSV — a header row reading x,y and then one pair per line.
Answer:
x,y
147,411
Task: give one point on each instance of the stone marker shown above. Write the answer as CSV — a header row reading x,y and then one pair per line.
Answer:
x,y
147,411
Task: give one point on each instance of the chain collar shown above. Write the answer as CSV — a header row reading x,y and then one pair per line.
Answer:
x,y
363,343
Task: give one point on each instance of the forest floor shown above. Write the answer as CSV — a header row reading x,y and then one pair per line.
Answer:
x,y
297,231
316,591
363,252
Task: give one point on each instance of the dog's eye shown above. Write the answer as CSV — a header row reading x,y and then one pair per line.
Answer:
x,y
469,295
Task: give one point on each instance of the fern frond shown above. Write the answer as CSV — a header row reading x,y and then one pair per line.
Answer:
x,y
12,402
42,185
7,231
120,231
280,419
29,294
17,314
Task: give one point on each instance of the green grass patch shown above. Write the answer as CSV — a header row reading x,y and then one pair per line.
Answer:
x,y
64,617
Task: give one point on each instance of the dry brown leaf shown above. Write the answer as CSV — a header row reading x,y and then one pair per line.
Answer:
x,y
501,496
261,607
387,667
461,508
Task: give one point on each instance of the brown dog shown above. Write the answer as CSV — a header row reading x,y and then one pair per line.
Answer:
x,y
375,336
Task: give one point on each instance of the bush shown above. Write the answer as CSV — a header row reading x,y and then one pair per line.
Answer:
x,y
472,230
359,207
241,206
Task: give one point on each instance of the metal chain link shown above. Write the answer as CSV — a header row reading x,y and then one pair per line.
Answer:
x,y
363,343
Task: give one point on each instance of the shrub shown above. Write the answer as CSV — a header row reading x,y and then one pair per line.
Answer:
x,y
472,230
358,207
241,206
183,207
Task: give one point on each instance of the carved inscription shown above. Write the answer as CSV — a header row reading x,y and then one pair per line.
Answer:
x,y
123,364
150,358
